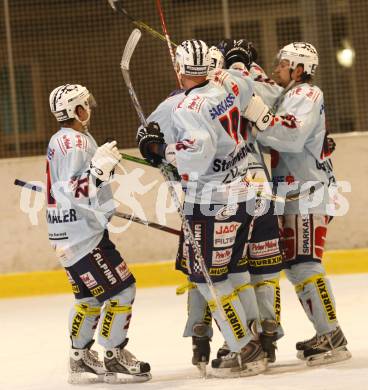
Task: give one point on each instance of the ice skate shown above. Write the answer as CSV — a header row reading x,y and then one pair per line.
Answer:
x,y
250,361
328,348
84,366
224,350
123,367
268,339
303,345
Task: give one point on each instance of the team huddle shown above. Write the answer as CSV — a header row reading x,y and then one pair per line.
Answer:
x,y
214,131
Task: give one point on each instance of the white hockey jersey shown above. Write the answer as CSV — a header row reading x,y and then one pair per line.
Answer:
x,y
211,154
77,211
297,137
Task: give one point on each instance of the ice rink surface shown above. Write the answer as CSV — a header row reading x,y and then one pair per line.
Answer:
x,y
35,347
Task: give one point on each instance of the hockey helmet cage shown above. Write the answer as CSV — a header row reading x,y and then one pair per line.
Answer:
x,y
192,58
65,99
217,59
300,53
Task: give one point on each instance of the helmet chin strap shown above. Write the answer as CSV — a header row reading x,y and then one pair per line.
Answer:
x,y
85,122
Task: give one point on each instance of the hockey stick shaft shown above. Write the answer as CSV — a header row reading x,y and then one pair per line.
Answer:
x,y
168,40
128,52
129,217
117,6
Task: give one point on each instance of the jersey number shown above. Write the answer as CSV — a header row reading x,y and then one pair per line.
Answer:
x,y
230,122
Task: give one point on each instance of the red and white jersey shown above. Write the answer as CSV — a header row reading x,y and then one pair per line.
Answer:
x,y
77,211
297,136
210,151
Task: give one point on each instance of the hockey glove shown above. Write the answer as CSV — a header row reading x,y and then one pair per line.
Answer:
x,y
104,161
259,113
151,143
238,54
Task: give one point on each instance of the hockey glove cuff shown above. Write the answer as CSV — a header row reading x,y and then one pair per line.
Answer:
x,y
104,161
259,113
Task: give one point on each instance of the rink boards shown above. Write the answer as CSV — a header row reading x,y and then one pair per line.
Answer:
x,y
155,274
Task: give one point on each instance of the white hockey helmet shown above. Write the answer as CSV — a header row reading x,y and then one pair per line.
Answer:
x,y
217,58
192,58
65,99
300,53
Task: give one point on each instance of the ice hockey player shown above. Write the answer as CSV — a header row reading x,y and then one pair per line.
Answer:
x,y
212,160
263,251
300,155
79,207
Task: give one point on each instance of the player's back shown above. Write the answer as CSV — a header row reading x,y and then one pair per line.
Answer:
x,y
209,117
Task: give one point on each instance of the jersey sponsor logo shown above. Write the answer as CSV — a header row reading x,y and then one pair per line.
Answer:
x,y
104,267
217,271
61,216
123,271
221,257
66,142
97,291
108,320
234,321
225,233
305,239
225,164
88,280
325,299
222,107
77,323
264,248
197,232
226,212
75,289
277,304
275,260
196,103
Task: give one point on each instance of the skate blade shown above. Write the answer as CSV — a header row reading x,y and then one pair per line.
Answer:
x,y
300,355
202,368
334,356
250,369
120,378
84,378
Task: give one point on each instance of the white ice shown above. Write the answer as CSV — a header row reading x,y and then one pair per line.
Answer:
x,y
34,343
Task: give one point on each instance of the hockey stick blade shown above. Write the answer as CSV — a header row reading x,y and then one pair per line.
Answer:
x,y
124,65
132,42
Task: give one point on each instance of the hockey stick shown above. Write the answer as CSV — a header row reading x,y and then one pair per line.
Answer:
x,y
259,194
167,37
127,54
117,6
129,217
